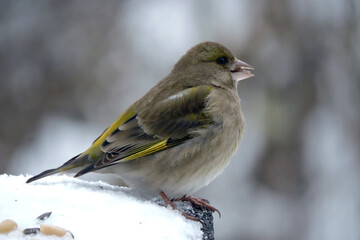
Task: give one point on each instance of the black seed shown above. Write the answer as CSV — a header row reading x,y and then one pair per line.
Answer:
x,y
44,215
28,231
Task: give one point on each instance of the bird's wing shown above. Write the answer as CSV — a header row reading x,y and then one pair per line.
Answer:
x,y
169,123
175,115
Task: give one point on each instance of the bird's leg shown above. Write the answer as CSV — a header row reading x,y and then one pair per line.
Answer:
x,y
199,202
167,200
172,205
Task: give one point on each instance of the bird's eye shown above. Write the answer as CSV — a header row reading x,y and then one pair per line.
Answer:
x,y
222,61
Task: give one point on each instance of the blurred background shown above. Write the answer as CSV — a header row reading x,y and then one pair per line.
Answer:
x,y
69,68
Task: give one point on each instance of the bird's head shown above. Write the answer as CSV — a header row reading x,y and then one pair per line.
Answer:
x,y
210,62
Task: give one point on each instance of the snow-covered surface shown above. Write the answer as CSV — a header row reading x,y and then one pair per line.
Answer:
x,y
90,210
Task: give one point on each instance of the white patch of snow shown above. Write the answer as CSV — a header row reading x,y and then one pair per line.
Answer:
x,y
90,210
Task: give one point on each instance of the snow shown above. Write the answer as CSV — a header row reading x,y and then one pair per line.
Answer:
x,y
90,210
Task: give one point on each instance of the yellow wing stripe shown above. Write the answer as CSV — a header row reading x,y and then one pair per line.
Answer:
x,y
95,147
155,148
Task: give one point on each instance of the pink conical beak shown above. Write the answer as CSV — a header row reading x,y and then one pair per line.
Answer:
x,y
241,70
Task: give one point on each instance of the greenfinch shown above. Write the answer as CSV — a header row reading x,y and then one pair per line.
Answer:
x,y
180,135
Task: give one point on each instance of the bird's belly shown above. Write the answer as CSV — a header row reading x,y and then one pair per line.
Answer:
x,y
183,169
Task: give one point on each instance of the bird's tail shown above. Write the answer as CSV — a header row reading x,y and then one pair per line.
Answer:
x,y
43,174
76,162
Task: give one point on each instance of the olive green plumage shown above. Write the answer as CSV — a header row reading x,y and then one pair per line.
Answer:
x,y
181,134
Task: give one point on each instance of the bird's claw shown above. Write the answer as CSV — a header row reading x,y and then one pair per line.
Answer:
x,y
200,203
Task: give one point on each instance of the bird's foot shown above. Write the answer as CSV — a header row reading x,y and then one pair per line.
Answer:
x,y
199,202
172,205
